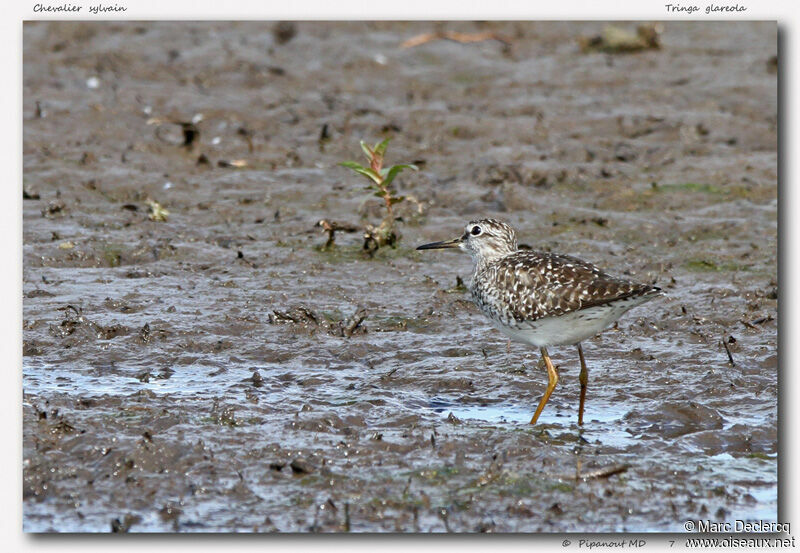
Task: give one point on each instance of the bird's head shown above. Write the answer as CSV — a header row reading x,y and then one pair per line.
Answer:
x,y
484,240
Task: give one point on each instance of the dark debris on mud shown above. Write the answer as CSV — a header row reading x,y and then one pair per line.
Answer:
x,y
310,321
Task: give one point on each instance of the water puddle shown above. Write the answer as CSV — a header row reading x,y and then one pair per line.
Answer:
x,y
605,426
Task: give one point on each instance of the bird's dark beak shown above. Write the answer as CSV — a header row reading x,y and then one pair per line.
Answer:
x,y
454,243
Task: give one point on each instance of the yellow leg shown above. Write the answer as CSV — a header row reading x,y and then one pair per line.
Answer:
x,y
552,375
584,379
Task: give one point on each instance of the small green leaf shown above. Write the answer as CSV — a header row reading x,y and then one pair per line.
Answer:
x,y
394,170
380,148
379,194
369,173
396,199
367,151
372,175
352,165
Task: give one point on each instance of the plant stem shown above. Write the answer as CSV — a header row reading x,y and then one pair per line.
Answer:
x,y
387,199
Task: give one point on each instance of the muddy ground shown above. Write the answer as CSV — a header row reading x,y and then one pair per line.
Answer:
x,y
204,373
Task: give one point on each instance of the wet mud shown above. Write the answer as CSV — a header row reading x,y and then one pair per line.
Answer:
x,y
194,358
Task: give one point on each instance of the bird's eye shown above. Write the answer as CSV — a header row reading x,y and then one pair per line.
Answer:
x,y
476,231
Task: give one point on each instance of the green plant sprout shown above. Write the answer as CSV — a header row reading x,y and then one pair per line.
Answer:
x,y
380,178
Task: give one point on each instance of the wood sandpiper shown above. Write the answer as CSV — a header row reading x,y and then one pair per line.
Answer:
x,y
542,299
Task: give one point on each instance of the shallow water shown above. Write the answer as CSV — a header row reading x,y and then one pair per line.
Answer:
x,y
172,397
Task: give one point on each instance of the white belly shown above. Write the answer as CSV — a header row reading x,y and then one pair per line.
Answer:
x,y
570,328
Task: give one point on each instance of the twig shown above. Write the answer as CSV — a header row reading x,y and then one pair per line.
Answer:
x,y
390,373
728,351
761,320
463,38
443,513
354,321
331,227
604,472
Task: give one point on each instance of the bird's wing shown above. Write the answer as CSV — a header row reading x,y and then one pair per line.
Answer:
x,y
540,284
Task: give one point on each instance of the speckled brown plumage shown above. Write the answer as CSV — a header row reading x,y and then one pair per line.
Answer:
x,y
542,299
525,286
